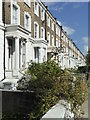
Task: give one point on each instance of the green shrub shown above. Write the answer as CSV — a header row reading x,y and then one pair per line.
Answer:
x,y
50,84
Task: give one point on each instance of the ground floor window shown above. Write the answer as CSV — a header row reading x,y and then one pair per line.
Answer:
x,y
36,54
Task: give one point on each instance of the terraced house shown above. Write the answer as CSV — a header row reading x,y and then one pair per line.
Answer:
x,y
32,34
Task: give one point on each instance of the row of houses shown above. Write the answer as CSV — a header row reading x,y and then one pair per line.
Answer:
x,y
29,32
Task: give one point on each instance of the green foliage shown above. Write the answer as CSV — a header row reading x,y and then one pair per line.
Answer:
x,y
50,84
88,58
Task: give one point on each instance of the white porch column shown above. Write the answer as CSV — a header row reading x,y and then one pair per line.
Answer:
x,y
0,11
16,67
17,53
6,54
46,54
40,56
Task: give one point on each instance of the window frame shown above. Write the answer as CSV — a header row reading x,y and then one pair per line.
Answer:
x,y
42,14
26,14
35,23
56,42
43,33
49,38
52,26
53,43
36,11
18,12
48,20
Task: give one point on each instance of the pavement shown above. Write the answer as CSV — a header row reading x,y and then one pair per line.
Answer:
x,y
59,111
84,108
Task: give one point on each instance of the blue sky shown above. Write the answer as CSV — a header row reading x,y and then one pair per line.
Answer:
x,y
73,16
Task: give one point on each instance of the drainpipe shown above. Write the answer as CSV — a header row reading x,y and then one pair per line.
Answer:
x,y
4,39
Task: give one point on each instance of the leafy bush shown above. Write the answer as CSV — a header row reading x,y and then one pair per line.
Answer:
x,y
50,84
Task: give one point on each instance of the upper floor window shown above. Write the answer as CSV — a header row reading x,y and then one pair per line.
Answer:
x,y
56,30
53,26
42,33
48,21
59,43
52,40
36,8
42,14
36,30
27,2
27,22
59,32
56,42
48,38
15,13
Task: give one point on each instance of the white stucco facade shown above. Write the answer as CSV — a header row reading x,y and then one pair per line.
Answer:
x,y
1,44
20,50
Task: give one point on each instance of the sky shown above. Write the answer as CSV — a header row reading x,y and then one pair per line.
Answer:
x,y
73,16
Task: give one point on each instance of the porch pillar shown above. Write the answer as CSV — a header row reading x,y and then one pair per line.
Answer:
x,y
40,55
6,54
17,53
16,67
46,54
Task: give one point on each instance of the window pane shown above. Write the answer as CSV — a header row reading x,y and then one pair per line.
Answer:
x,y
14,14
35,30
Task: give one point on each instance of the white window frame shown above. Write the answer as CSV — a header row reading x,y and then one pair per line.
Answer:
x,y
42,36
57,30
52,40
37,30
42,14
48,20
48,38
56,42
59,43
26,14
52,25
36,11
18,12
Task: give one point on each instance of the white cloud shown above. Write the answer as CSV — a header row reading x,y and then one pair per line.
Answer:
x,y
54,7
85,40
69,30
